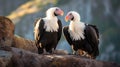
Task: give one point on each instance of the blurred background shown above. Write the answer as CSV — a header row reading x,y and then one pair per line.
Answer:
x,y
105,14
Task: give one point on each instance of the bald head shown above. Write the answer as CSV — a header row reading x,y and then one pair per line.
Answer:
x,y
72,16
54,11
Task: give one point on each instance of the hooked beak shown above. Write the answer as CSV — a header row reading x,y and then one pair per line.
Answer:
x,y
66,18
61,12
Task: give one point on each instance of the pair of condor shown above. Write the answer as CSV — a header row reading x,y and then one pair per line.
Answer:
x,y
83,38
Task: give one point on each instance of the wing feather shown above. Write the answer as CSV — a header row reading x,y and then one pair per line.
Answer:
x,y
92,38
38,30
67,35
60,29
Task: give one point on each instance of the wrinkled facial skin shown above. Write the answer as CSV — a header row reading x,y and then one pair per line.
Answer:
x,y
58,12
69,16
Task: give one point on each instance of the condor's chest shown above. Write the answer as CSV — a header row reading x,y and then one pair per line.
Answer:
x,y
76,31
51,25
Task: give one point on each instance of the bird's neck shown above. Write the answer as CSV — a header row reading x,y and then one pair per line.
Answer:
x,y
50,16
52,19
76,30
76,25
51,24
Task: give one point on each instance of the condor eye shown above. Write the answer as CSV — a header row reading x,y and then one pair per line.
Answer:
x,y
57,9
70,14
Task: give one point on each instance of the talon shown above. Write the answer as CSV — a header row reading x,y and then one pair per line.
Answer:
x,y
80,52
89,56
74,52
45,52
84,53
53,50
72,46
40,45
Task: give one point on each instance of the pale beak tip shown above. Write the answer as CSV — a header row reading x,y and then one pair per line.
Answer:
x,y
62,13
66,20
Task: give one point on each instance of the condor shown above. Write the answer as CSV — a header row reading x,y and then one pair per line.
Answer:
x,y
47,31
81,36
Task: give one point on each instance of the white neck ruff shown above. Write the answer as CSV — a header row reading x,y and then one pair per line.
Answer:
x,y
76,30
51,24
